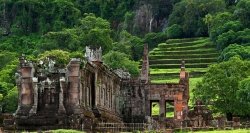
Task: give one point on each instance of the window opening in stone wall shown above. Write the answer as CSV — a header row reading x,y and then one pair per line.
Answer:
x,y
155,108
170,109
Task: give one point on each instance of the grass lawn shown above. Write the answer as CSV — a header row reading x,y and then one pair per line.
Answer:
x,y
59,131
225,131
176,70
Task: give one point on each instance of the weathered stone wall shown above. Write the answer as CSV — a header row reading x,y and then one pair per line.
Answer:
x,y
86,93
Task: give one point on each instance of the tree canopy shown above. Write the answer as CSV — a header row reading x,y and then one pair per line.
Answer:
x,y
220,86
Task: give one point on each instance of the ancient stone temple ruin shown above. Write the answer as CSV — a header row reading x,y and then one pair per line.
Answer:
x,y
87,92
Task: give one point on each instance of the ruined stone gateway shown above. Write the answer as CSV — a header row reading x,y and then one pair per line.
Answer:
x,y
87,92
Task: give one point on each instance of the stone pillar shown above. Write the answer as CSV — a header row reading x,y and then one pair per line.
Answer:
x,y
26,89
73,72
162,108
34,107
18,84
144,75
113,99
61,109
97,88
26,85
178,104
148,108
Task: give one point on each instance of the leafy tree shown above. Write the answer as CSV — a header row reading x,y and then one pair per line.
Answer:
x,y
95,31
176,17
220,18
6,57
67,39
7,79
225,39
230,2
230,37
230,25
117,60
233,50
243,13
189,15
153,39
243,96
129,44
21,44
60,57
10,101
91,31
220,84
32,16
175,31
76,54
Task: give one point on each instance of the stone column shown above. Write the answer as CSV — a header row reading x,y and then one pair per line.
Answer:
x,y
162,108
26,90
97,87
61,109
26,86
74,86
34,107
18,84
148,108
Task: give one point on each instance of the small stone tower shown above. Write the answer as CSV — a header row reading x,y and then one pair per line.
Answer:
x,y
94,54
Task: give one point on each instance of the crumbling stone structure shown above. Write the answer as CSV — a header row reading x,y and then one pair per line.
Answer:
x,y
176,93
199,117
86,92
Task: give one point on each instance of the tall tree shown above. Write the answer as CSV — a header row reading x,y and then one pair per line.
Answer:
x,y
220,84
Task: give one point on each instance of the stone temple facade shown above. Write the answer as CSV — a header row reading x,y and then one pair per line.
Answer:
x,y
87,92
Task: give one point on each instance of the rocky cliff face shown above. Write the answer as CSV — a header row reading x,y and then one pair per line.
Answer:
x,y
151,15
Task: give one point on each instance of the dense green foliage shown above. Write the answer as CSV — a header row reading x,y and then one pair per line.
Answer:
x,y
233,50
220,87
175,31
39,28
117,60
189,15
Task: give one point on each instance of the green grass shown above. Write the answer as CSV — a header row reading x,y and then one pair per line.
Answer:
x,y
186,40
186,44
176,70
170,114
155,109
172,80
188,65
174,52
165,60
184,56
59,131
225,131
178,61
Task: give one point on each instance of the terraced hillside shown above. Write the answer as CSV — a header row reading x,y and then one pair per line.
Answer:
x,y
165,60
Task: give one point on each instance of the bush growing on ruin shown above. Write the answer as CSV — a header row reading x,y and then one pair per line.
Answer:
x,y
117,60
